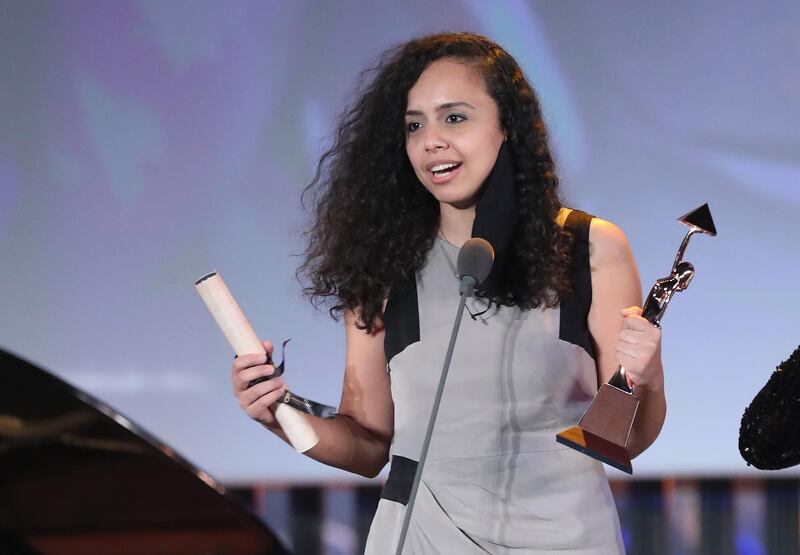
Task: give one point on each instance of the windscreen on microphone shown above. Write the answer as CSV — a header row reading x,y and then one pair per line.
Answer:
x,y
769,437
475,259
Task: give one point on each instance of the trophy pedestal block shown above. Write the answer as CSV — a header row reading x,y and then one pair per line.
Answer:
x,y
605,427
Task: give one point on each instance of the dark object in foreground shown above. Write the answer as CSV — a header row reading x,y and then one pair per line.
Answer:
x,y
769,437
78,477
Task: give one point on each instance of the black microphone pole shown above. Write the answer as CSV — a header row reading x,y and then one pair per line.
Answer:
x,y
474,263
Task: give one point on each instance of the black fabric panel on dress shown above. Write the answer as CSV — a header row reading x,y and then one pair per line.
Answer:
x,y
401,478
496,220
574,327
401,321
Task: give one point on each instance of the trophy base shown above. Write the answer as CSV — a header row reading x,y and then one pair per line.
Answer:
x,y
596,447
605,427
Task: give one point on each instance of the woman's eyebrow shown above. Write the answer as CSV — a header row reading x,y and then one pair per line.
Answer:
x,y
449,105
442,107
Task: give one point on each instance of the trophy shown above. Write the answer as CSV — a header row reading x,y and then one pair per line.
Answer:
x,y
605,428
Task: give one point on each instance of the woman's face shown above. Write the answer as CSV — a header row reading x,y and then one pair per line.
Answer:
x,y
453,131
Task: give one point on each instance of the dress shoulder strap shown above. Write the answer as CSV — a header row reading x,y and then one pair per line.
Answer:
x,y
575,307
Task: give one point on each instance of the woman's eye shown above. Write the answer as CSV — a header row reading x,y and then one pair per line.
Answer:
x,y
455,118
412,126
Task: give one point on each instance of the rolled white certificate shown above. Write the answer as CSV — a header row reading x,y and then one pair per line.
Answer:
x,y
233,323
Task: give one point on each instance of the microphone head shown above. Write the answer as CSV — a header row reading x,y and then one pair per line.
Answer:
x,y
475,259
769,436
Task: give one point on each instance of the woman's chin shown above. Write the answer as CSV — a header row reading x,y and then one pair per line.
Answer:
x,y
459,202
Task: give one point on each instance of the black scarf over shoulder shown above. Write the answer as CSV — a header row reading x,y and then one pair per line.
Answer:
x,y
495,221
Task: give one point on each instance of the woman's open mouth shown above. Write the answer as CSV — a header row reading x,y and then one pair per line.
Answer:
x,y
442,173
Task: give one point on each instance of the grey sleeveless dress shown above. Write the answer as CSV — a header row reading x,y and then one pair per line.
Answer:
x,y
495,480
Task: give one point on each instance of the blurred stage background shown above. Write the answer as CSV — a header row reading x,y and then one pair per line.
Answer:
x,y
143,144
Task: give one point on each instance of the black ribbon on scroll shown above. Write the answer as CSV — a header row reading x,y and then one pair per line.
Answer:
x,y
769,437
295,401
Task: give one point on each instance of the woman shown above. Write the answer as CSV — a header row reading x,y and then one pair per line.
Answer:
x,y
447,142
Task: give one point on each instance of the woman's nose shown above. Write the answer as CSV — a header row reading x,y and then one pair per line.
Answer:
x,y
434,139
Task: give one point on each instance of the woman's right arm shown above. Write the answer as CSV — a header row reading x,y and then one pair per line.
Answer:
x,y
358,438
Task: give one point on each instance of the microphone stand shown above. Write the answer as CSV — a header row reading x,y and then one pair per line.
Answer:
x,y
466,290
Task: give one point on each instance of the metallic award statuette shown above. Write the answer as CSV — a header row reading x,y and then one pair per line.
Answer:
x,y
605,428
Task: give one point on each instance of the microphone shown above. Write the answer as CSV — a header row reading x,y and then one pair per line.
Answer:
x,y
769,436
473,265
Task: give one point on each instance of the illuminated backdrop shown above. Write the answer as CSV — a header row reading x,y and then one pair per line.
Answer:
x,y
143,144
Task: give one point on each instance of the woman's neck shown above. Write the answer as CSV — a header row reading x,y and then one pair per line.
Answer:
x,y
455,224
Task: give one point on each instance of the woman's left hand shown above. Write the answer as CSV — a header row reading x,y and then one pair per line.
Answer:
x,y
639,350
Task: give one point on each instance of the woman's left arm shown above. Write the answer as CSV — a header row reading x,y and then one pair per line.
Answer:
x,y
620,333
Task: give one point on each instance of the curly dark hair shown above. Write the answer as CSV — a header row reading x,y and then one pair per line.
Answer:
x,y
374,223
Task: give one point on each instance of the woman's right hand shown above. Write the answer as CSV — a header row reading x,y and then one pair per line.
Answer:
x,y
257,399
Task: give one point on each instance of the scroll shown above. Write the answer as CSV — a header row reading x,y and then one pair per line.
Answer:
x,y
237,330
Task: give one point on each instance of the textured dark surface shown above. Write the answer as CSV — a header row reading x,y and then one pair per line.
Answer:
x,y
769,437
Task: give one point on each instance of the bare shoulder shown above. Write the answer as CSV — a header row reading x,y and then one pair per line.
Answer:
x,y
615,286
608,244
615,279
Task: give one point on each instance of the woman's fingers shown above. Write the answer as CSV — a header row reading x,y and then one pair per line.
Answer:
x,y
253,386
253,394
246,376
259,406
638,338
246,361
634,356
248,368
638,346
631,311
637,323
